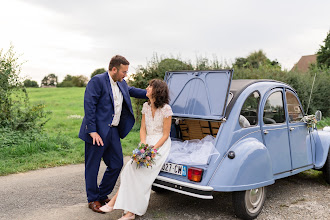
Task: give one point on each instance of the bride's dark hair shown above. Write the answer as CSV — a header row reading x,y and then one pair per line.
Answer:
x,y
160,92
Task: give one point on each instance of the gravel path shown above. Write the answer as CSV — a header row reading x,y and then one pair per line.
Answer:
x,y
58,193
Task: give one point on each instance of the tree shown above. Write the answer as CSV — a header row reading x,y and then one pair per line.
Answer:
x,y
30,83
98,71
49,80
67,82
256,60
79,81
73,81
323,55
16,112
155,69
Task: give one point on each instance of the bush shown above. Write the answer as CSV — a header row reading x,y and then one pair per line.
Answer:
x,y
16,113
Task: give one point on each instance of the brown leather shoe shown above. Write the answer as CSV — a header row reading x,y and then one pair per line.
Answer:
x,y
104,201
95,206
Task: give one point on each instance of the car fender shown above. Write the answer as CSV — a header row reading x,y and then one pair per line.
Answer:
x,y
322,145
250,168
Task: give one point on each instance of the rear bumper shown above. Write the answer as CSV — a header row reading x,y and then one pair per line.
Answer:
x,y
202,192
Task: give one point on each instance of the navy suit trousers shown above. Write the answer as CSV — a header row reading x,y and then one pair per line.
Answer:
x,y
112,156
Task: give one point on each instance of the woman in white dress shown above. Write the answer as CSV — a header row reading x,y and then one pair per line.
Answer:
x,y
134,191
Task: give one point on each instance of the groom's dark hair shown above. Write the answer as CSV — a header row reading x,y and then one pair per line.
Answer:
x,y
159,92
116,61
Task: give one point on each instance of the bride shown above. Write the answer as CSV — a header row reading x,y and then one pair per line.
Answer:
x,y
134,191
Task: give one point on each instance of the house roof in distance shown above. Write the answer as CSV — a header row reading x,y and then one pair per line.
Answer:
x,y
304,63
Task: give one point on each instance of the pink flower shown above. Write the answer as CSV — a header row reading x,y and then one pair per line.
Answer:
x,y
155,150
142,150
148,158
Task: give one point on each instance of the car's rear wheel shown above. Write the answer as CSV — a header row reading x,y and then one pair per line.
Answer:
x,y
158,189
248,204
326,169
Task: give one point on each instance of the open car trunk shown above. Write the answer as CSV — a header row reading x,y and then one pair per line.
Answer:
x,y
189,129
198,100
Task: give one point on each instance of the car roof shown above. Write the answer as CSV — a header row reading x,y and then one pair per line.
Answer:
x,y
238,85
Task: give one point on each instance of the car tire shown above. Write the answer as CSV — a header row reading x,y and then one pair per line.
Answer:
x,y
158,189
326,169
248,204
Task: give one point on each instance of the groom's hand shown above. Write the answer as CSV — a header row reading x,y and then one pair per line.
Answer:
x,y
96,138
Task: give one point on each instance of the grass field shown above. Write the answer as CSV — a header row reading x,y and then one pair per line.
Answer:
x,y
67,106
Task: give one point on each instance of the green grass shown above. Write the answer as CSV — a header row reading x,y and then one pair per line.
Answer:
x,y
324,122
65,103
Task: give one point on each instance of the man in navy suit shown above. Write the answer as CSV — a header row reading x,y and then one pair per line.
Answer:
x,y
108,117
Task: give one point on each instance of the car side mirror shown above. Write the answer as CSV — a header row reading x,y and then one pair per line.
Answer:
x,y
318,115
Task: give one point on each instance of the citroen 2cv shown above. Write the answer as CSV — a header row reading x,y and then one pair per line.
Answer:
x,y
258,133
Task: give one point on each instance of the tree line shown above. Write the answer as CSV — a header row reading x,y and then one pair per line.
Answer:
x,y
51,80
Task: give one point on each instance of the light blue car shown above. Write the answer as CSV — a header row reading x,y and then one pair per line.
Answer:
x,y
258,132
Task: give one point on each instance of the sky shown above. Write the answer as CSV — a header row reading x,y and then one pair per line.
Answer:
x,y
78,36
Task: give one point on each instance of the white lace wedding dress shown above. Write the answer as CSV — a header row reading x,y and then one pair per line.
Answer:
x,y
135,186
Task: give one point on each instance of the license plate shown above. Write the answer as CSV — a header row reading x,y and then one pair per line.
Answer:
x,y
175,169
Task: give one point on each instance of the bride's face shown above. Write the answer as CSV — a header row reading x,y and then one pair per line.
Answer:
x,y
149,92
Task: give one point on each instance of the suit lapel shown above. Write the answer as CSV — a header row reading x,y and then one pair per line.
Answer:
x,y
109,87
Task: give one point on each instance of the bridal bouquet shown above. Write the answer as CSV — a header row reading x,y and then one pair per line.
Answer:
x,y
144,155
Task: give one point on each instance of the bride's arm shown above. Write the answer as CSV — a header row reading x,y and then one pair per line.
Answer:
x,y
166,132
143,132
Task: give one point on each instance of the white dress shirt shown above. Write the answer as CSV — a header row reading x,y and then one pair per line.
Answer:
x,y
117,100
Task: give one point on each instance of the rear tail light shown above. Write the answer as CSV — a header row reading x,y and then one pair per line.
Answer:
x,y
195,174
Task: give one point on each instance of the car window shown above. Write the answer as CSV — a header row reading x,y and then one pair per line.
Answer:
x,y
293,106
274,111
249,111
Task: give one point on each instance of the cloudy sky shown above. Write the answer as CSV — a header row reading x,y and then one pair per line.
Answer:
x,y
78,36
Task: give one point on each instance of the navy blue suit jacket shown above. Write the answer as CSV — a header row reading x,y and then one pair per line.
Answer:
x,y
99,107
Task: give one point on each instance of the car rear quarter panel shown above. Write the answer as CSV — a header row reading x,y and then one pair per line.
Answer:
x,y
251,168
322,144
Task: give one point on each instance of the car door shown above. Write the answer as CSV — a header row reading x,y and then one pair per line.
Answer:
x,y
275,131
301,153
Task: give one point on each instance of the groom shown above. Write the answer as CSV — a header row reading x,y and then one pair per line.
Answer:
x,y
108,117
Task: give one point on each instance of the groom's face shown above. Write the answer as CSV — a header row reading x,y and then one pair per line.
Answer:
x,y
120,73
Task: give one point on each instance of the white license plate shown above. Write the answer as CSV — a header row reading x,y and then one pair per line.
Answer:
x,y
175,169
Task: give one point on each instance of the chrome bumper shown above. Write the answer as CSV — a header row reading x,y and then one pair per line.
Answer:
x,y
202,192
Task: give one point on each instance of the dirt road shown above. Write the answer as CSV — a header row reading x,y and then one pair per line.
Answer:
x,y
58,194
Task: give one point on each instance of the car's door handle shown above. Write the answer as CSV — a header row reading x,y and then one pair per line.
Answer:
x,y
266,132
292,128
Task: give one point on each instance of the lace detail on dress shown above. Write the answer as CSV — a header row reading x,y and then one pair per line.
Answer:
x,y
166,111
144,107
154,125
